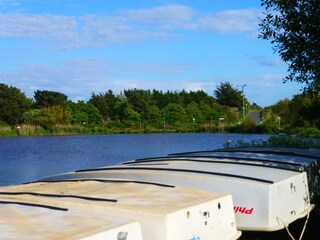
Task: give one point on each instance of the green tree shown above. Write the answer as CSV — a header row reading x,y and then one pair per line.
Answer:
x,y
100,103
210,112
194,113
110,99
33,116
13,104
304,110
227,95
131,117
170,97
119,108
200,96
157,98
138,99
281,109
175,113
47,98
54,115
84,113
93,113
293,28
154,116
47,117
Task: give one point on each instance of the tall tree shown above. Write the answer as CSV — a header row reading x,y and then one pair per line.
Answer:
x,y
227,95
13,104
99,101
294,29
47,98
139,99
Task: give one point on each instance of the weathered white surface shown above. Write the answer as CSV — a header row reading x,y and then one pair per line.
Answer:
x,y
25,222
280,198
169,213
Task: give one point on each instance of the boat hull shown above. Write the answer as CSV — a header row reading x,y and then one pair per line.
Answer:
x,y
162,211
268,203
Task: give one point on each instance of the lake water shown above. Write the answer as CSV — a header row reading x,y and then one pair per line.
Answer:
x,y
25,159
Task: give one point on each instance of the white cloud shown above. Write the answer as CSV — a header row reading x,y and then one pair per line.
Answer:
x,y
165,22
166,17
38,26
69,77
230,22
78,78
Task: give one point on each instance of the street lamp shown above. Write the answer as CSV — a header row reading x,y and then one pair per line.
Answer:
x,y
243,108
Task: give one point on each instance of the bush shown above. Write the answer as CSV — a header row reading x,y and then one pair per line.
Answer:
x,y
267,129
305,131
293,141
282,140
248,126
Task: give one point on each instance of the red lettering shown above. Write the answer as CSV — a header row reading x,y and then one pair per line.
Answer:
x,y
243,210
249,211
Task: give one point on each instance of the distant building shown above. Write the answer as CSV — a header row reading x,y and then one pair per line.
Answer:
x,y
256,116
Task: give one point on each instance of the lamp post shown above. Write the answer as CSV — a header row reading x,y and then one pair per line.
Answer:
x,y
243,108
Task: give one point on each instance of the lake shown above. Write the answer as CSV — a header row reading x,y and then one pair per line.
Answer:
x,y
25,159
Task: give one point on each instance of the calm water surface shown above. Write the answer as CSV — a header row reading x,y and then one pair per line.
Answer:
x,y
24,159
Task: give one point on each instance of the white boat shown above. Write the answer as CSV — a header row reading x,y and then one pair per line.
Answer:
x,y
266,198
290,158
114,210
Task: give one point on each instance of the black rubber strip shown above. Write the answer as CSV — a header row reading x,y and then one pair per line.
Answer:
x,y
104,181
235,158
176,170
59,196
34,205
195,159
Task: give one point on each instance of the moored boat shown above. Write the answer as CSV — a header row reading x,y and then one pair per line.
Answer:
x,y
291,158
114,209
266,197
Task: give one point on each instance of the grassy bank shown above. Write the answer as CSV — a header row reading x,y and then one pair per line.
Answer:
x,y
60,130
116,128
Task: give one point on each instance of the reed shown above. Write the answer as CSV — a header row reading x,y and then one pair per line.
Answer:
x,y
30,130
7,131
68,129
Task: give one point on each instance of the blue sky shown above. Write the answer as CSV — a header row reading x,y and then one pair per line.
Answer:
x,y
80,47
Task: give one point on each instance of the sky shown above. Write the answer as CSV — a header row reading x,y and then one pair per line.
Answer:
x,y
81,47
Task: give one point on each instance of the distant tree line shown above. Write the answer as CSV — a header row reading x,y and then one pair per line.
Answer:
x,y
152,111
